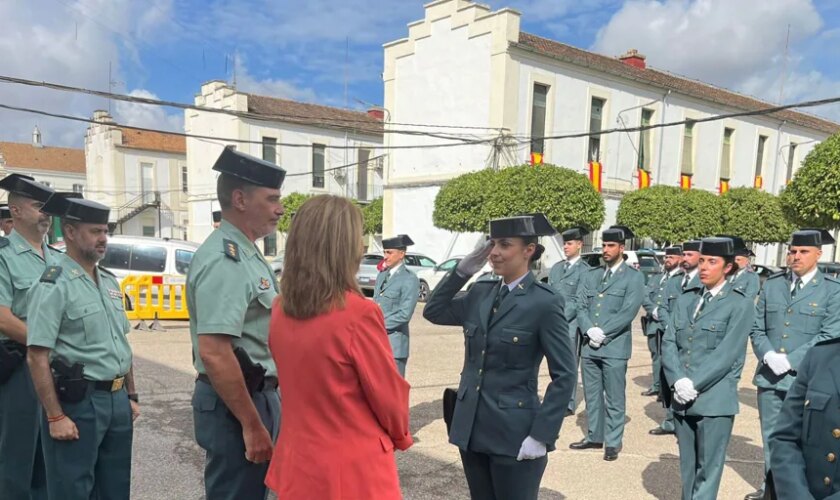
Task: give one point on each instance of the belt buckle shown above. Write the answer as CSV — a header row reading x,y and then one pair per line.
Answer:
x,y
117,384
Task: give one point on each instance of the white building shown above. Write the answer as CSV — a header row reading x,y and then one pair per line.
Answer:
x,y
464,65
140,175
305,139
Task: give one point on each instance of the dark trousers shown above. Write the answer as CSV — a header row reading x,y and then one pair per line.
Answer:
x,y
227,474
496,477
702,442
604,384
98,464
22,474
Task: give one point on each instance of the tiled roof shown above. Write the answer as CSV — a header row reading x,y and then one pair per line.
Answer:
x,y
664,80
314,114
20,156
153,141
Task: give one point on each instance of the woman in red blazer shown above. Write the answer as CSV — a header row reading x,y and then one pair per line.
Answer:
x,y
344,406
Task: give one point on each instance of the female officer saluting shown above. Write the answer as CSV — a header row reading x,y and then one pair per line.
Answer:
x,y
501,428
703,355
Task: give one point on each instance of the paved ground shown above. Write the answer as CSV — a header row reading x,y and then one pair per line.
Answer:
x,y
168,464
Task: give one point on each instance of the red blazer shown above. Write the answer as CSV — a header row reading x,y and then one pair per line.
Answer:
x,y
344,405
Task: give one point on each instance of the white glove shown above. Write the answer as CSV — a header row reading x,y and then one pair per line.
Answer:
x,y
777,362
596,335
684,391
594,344
530,449
475,260
655,314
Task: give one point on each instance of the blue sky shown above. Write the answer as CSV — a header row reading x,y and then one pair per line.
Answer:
x,y
297,49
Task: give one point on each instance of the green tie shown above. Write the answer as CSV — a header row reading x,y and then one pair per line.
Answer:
x,y
707,297
607,276
797,285
503,292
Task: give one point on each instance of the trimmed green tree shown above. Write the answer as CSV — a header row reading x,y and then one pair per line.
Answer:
x,y
372,213
669,215
813,196
291,204
755,215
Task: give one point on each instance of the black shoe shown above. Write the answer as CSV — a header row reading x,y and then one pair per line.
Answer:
x,y
755,495
583,444
659,431
570,412
611,454
651,392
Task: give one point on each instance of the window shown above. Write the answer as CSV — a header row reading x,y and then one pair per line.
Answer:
x,y
596,118
148,258
147,182
539,103
362,178
182,261
791,158
687,164
46,183
269,149
184,188
426,262
117,256
726,154
78,188
411,260
371,260
318,165
645,145
148,230
759,155
270,244
449,264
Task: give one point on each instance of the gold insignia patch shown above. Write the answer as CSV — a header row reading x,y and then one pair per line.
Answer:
x,y
264,284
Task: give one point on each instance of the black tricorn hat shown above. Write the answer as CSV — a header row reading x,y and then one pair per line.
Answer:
x,y
825,235
617,234
740,246
250,169
217,216
542,226
575,233
398,242
5,213
717,247
675,250
521,226
807,238
26,186
86,211
57,204
691,246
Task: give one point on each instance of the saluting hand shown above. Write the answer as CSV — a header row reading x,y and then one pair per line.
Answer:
x,y
258,445
64,430
476,259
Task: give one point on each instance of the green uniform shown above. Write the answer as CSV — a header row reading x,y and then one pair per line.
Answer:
x,y
230,290
657,293
709,349
397,295
789,326
497,403
21,458
805,444
84,321
748,282
610,304
565,279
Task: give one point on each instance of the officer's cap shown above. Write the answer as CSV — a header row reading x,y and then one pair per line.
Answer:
x,y
675,250
57,204
217,216
617,234
250,169
717,247
740,247
5,213
691,246
825,237
26,186
86,211
808,238
398,242
521,226
575,233
542,226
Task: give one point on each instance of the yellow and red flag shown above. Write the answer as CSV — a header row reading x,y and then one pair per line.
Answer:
x,y
759,182
595,172
685,182
724,186
536,159
644,179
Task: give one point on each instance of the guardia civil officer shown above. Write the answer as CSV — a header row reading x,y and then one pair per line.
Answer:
x,y
565,277
396,291
502,429
80,361
217,219
23,258
744,278
805,443
6,221
794,312
656,309
702,356
230,290
608,301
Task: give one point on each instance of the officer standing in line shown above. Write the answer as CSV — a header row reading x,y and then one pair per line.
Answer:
x,y
396,291
745,278
81,362
656,317
230,290
565,277
23,258
702,356
6,221
793,314
609,299
217,218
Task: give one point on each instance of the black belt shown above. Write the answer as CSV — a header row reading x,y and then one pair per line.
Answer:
x,y
12,346
109,385
269,383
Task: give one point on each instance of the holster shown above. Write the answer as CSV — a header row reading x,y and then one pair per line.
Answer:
x,y
70,385
12,355
253,373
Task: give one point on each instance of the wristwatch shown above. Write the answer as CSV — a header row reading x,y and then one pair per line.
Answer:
x,y
134,397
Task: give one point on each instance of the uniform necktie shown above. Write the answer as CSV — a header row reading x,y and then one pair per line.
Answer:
x,y
607,276
567,266
797,285
664,278
685,282
706,298
387,275
503,292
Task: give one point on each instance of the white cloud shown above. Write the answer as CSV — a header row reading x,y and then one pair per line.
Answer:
x,y
147,115
274,87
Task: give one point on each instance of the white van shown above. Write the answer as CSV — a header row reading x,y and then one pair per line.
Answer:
x,y
145,255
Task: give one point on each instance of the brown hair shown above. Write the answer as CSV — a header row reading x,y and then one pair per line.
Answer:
x,y
323,251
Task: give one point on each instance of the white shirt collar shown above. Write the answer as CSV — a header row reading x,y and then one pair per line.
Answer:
x,y
714,291
673,272
573,261
615,266
805,279
394,269
515,282
693,273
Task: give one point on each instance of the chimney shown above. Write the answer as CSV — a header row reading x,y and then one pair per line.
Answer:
x,y
36,138
633,58
102,116
378,114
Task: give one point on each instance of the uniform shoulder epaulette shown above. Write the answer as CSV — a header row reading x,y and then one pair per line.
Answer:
x,y
231,249
777,275
832,279
545,287
740,289
596,268
4,242
106,271
486,283
828,341
51,274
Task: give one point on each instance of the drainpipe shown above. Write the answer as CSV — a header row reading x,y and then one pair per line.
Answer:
x,y
661,137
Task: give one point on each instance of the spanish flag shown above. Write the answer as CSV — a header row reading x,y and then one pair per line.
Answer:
x,y
759,182
595,169
644,179
724,186
685,182
536,159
